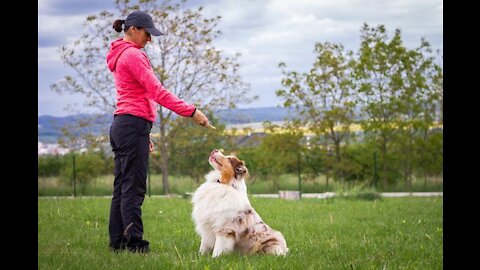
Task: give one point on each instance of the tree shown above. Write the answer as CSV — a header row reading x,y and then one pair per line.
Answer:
x,y
416,104
394,84
189,151
397,90
430,155
313,159
184,59
277,153
86,131
323,96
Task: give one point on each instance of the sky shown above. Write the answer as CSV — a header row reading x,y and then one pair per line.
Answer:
x,y
265,32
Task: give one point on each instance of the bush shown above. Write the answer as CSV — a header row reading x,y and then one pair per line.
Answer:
x,y
50,165
87,167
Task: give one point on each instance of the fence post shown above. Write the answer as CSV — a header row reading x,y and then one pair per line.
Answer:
x,y
74,177
375,175
299,177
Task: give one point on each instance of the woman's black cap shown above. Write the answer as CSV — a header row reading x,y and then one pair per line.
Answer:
x,y
142,19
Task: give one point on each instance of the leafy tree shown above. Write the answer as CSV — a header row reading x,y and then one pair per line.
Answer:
x,y
189,150
417,104
429,143
253,160
313,159
184,59
277,153
89,130
398,91
75,128
429,156
323,96
392,83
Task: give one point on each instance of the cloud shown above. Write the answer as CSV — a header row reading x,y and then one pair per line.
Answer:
x,y
73,7
48,57
265,32
60,29
60,22
51,70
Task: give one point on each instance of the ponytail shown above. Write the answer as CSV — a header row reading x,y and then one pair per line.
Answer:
x,y
117,25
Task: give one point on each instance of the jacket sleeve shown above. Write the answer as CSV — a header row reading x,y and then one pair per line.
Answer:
x,y
142,70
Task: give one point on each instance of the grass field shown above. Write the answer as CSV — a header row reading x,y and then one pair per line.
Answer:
x,y
52,186
335,233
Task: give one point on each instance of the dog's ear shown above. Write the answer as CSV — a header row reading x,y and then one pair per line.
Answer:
x,y
240,169
238,166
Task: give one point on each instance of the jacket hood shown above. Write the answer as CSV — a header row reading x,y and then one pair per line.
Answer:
x,y
116,49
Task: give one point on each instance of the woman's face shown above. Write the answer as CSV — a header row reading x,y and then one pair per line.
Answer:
x,y
140,36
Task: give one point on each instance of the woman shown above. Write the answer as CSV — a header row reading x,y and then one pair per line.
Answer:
x,y
138,93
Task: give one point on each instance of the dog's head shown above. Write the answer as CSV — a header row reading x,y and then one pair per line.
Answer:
x,y
231,168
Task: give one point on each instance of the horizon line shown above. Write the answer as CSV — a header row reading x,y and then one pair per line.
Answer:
x,y
90,113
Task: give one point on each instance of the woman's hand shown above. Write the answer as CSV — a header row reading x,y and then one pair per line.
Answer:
x,y
200,119
151,146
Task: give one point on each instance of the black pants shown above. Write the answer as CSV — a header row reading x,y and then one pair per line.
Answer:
x,y
129,138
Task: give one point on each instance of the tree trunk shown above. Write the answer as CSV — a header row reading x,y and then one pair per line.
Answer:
x,y
164,166
425,137
164,154
383,167
425,180
325,146
339,173
326,177
410,161
337,150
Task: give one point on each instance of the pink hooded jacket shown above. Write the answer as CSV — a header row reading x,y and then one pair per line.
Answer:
x,y
138,89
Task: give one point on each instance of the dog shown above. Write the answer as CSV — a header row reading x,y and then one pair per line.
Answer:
x,y
224,217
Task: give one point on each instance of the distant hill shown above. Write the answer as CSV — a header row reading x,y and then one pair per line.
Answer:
x,y
49,127
251,115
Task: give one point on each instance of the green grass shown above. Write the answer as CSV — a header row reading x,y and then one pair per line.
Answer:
x,y
388,233
102,185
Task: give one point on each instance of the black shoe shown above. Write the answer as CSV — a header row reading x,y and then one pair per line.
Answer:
x,y
117,248
144,249
138,246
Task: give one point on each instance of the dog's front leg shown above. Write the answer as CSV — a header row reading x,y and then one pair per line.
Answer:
x,y
224,242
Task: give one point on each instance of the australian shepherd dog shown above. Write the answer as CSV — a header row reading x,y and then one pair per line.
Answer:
x,y
224,217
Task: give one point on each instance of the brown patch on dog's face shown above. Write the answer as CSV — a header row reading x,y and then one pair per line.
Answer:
x,y
229,166
239,166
